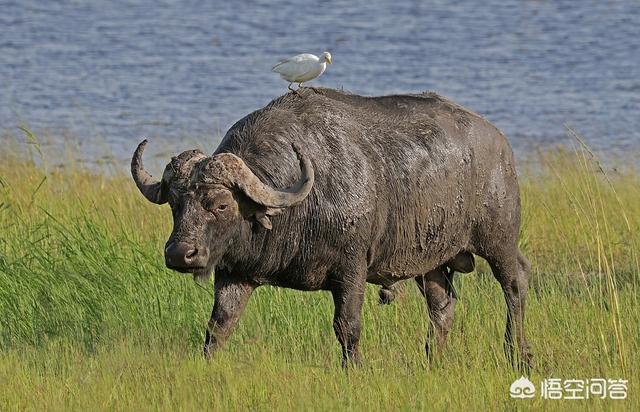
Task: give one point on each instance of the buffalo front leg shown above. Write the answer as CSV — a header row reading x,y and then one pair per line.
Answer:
x,y
437,288
230,299
348,298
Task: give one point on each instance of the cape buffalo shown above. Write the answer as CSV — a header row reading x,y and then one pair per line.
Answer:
x,y
327,190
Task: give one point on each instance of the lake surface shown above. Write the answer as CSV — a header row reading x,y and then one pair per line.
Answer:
x,y
104,74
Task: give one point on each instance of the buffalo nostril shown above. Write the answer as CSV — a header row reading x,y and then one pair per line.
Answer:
x,y
190,254
184,255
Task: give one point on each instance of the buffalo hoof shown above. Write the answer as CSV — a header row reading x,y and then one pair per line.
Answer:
x,y
522,361
207,352
386,295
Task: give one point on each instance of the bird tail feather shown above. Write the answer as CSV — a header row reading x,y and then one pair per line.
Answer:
x,y
273,69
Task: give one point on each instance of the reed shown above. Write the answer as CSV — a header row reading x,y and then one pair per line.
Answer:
x,y
91,319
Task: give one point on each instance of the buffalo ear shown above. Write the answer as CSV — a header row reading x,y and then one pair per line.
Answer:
x,y
251,210
262,216
264,220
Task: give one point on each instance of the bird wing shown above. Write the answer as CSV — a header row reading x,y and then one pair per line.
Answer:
x,y
292,71
303,62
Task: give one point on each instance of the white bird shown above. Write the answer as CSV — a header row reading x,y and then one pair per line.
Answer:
x,y
302,68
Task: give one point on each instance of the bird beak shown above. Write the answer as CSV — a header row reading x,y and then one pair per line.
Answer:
x,y
329,60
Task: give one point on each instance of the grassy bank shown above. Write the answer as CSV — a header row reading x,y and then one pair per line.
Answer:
x,y
91,319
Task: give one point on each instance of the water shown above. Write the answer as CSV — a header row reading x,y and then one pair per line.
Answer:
x,y
108,73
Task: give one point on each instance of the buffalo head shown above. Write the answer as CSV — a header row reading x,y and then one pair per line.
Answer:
x,y
210,198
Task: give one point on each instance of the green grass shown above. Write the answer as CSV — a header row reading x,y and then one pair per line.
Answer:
x,y
90,319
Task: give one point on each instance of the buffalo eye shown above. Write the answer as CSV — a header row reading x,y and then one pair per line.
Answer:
x,y
212,206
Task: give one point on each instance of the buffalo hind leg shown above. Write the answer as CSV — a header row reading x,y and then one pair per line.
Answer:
x,y
437,288
512,272
230,299
348,298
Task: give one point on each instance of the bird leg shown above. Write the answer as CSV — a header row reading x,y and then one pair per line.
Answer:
x,y
307,87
